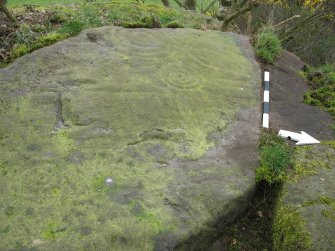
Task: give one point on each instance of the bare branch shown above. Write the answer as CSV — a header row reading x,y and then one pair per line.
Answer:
x,y
287,34
285,21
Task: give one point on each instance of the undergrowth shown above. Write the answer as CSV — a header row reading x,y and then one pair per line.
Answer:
x,y
46,26
321,82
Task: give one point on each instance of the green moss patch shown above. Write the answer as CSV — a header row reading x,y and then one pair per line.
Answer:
x,y
133,105
307,161
289,231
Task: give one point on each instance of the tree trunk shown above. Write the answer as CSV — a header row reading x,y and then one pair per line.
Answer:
x,y
189,4
4,9
166,3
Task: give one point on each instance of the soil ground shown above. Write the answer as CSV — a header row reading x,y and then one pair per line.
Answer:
x,y
253,230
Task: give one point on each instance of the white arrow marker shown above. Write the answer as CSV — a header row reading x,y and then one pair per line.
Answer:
x,y
302,138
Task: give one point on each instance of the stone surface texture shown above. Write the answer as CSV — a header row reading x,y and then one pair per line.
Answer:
x,y
305,212
171,116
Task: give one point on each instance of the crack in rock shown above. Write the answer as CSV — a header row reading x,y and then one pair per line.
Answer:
x,y
59,113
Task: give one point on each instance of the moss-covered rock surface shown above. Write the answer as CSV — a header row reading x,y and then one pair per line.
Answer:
x,y
305,211
171,116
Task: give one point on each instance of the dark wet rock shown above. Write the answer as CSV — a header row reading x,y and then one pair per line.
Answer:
x,y
288,110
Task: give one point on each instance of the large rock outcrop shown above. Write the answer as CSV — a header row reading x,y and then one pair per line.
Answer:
x,y
305,212
171,116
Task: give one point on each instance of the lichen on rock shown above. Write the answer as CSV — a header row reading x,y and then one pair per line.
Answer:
x,y
170,115
305,212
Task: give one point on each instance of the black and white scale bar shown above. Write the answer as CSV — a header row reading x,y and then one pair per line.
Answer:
x,y
266,99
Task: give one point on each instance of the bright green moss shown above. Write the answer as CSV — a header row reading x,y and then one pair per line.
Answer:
x,y
330,143
52,231
63,142
289,232
20,50
48,39
328,201
306,163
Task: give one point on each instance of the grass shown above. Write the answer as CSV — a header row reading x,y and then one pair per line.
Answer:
x,y
275,158
268,46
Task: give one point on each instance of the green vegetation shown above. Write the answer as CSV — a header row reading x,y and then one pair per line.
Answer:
x,y
289,232
310,35
306,206
306,164
20,50
13,3
51,24
268,46
275,158
201,4
58,22
330,211
306,28
328,201
321,82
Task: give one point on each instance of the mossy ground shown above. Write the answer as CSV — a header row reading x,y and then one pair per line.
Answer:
x,y
289,230
305,210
